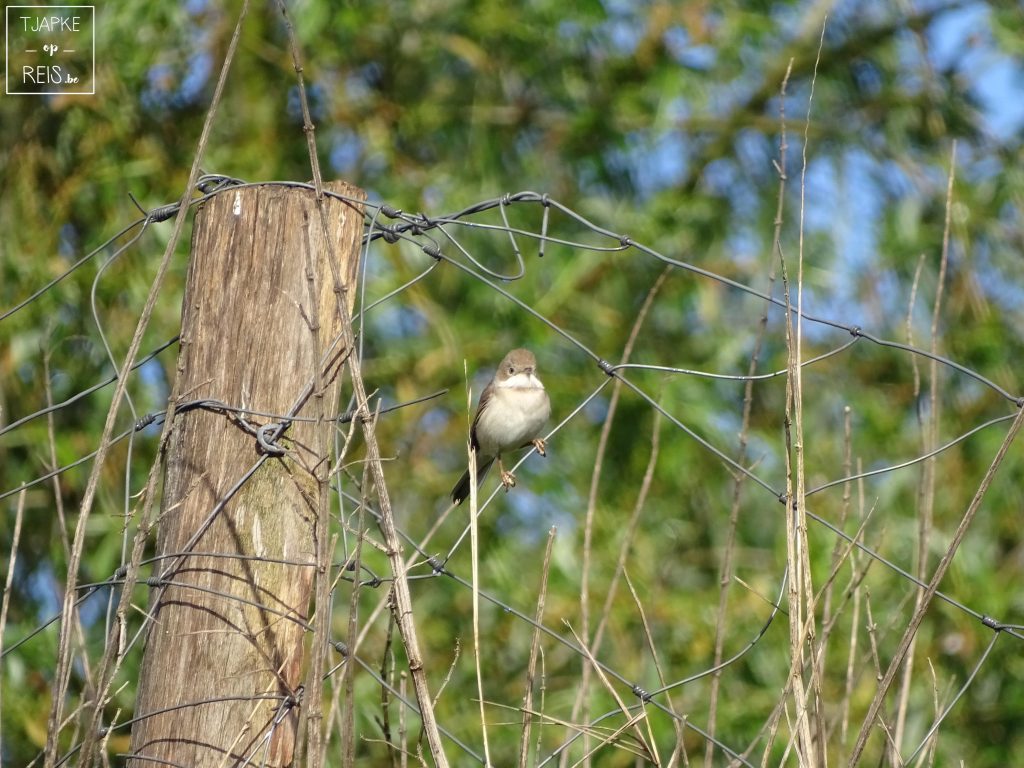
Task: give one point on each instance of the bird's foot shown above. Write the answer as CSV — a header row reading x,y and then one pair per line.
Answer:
x,y
507,479
541,446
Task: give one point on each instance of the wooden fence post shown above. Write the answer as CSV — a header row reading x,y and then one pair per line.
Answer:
x,y
225,647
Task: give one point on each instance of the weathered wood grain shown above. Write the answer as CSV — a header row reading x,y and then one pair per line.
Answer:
x,y
229,619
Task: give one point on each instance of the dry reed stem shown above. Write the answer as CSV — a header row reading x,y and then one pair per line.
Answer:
x,y
62,668
474,545
531,666
19,516
725,578
631,720
579,708
933,585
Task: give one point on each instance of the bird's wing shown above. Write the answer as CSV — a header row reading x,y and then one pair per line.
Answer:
x,y
485,399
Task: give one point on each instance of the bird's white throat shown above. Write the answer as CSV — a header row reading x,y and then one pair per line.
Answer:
x,y
520,381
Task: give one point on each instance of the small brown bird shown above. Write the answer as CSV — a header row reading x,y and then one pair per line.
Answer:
x,y
512,410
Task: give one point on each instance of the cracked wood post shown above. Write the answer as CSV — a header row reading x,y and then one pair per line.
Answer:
x,y
226,644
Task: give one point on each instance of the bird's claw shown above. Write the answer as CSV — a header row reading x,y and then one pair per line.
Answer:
x,y
508,480
541,446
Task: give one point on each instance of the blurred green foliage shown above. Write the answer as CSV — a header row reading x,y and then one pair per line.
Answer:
x,y
656,119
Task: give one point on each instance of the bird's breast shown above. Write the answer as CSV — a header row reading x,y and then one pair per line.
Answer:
x,y
513,418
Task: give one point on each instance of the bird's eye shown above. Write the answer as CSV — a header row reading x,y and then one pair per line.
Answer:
x,y
511,370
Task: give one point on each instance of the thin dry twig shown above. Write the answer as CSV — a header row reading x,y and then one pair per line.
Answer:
x,y
342,714
800,588
19,516
348,736
728,553
653,650
929,439
58,503
402,607
451,671
933,585
63,661
579,705
531,666
630,531
631,720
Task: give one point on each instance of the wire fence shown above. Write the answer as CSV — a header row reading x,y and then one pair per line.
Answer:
x,y
653,625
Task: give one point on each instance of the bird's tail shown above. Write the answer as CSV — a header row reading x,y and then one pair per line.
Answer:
x,y
461,490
